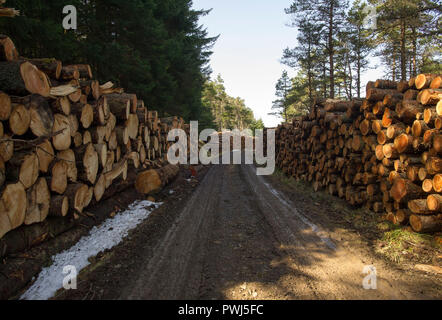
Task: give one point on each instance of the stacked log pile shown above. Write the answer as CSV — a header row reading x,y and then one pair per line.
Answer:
x,y
65,139
382,152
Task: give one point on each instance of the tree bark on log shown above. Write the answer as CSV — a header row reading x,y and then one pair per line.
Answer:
x,y
426,224
21,78
52,67
152,181
42,118
87,163
23,167
39,199
59,206
78,195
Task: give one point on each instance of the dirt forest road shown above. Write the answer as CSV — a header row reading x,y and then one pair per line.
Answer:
x,y
238,238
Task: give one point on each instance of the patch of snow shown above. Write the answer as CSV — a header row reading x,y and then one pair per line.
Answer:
x,y
100,238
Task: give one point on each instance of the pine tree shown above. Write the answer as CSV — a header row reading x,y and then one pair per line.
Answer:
x,y
281,105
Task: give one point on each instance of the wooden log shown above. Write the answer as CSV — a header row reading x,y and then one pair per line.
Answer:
x,y
152,181
12,208
52,67
434,202
5,106
119,170
437,182
85,71
70,72
6,148
132,126
19,120
431,96
21,78
68,157
74,125
38,201
100,187
426,224
87,137
62,140
42,118
78,195
62,105
419,206
402,86
59,206
45,154
418,128
408,110
2,173
423,81
433,165
119,105
375,94
403,216
404,190
23,167
8,52
87,163
58,181
385,84
436,82
101,149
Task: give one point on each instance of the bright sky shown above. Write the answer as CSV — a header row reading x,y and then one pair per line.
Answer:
x,y
253,35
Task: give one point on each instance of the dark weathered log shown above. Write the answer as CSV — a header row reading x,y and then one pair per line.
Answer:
x,y
51,67
426,223
22,78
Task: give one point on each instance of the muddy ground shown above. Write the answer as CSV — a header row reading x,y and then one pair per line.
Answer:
x,y
232,235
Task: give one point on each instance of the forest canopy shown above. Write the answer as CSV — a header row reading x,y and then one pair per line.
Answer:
x,y
338,38
154,48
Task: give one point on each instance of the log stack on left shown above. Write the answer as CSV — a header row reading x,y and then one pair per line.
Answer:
x,y
65,139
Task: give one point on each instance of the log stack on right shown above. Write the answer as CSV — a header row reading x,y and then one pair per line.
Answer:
x,y
382,152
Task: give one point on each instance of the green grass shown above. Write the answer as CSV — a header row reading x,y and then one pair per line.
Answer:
x,y
394,242
398,242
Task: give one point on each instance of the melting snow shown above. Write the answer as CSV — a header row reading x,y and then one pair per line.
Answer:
x,y
100,238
